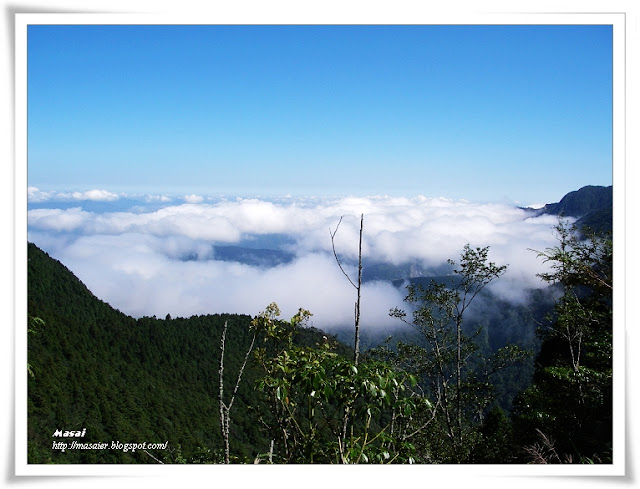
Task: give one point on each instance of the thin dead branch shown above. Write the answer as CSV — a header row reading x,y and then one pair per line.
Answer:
x,y
225,409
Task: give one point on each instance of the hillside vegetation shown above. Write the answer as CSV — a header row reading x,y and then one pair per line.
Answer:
x,y
455,388
131,380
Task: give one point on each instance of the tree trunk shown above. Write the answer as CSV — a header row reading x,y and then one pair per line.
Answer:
x,y
359,287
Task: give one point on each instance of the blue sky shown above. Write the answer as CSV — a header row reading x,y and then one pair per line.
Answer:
x,y
485,113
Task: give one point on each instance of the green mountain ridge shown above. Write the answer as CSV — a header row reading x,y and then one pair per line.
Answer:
x,y
132,380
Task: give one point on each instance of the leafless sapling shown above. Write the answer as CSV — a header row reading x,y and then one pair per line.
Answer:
x,y
225,409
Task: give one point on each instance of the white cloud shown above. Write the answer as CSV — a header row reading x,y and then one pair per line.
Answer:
x,y
34,194
193,199
99,195
157,198
58,219
134,273
136,260
537,205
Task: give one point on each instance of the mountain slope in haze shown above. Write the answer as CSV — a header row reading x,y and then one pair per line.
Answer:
x,y
257,257
132,380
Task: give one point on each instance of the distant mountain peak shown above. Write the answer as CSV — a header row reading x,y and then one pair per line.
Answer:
x,y
592,205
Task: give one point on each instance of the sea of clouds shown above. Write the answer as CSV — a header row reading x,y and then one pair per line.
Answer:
x,y
130,250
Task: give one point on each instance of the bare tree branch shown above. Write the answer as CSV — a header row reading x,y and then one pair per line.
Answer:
x,y
335,254
225,409
358,287
154,458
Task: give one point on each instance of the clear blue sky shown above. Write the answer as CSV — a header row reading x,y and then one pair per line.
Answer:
x,y
476,112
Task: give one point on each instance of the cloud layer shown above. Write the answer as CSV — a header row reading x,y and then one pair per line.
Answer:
x,y
36,195
135,258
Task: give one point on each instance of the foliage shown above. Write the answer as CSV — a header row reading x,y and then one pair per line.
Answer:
x,y
450,366
325,408
34,323
570,401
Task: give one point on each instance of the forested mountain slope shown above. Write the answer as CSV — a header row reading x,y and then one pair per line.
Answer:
x,y
146,380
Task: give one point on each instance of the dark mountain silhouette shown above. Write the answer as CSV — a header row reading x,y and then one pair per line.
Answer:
x,y
592,205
